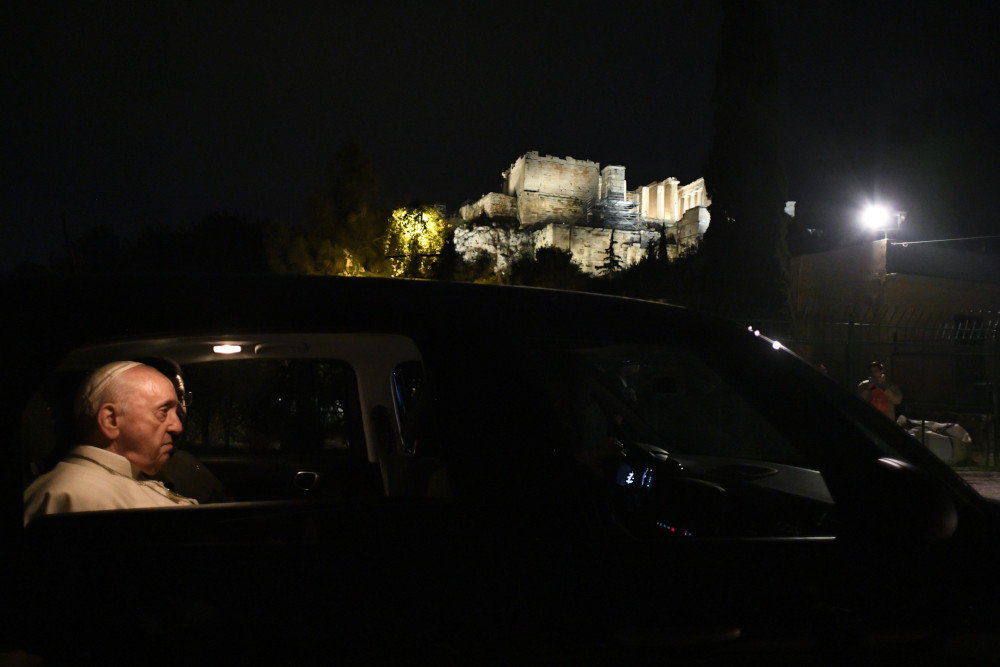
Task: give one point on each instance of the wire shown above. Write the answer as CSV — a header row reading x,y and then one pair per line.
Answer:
x,y
967,238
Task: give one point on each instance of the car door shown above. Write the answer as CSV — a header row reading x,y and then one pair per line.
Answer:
x,y
667,490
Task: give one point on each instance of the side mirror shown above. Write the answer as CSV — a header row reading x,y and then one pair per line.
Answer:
x,y
906,506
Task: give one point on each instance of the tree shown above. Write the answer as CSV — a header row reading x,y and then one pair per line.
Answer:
x,y
548,267
414,239
744,267
612,264
345,232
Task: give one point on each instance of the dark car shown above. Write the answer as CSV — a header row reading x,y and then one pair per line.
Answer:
x,y
414,470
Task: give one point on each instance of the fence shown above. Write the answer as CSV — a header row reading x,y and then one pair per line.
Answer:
x,y
948,371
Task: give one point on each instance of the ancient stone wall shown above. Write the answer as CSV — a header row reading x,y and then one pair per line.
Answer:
x,y
492,205
536,207
691,195
513,178
691,227
551,176
613,183
574,205
658,201
589,246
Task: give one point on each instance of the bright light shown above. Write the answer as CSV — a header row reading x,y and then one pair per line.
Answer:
x,y
226,349
776,345
876,217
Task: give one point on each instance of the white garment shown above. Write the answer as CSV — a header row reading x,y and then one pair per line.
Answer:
x,y
90,478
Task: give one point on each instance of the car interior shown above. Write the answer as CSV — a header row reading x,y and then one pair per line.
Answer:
x,y
342,416
277,417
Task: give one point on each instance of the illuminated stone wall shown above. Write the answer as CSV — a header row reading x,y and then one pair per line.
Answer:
x,y
492,205
562,177
613,183
589,245
668,200
553,200
551,189
535,207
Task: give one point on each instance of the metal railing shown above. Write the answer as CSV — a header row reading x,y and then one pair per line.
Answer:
x,y
948,370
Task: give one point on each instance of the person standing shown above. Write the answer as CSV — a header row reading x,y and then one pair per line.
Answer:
x,y
879,392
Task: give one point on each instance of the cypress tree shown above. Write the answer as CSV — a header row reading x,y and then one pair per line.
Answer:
x,y
744,266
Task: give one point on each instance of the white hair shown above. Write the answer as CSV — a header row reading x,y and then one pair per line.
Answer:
x,y
99,386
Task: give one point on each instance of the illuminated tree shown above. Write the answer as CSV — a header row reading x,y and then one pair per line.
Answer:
x,y
414,239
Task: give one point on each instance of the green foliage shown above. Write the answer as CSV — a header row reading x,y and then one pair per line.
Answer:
x,y
346,227
655,277
450,266
549,267
612,263
414,239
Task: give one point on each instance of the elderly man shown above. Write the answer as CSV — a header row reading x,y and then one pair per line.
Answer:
x,y
129,417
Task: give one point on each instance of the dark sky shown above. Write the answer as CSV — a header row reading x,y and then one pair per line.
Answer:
x,y
131,114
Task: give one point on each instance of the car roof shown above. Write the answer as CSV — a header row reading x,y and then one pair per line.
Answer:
x,y
88,308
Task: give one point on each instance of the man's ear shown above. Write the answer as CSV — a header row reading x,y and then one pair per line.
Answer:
x,y
107,420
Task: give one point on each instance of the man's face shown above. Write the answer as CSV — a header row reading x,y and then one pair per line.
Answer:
x,y
877,372
150,421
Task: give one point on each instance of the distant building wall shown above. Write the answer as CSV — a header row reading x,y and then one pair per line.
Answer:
x,y
930,314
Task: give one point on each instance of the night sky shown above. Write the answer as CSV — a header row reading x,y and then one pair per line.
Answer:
x,y
134,114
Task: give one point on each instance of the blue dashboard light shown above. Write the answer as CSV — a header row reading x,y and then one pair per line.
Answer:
x,y
625,475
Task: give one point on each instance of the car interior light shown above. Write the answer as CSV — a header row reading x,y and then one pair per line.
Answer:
x,y
226,349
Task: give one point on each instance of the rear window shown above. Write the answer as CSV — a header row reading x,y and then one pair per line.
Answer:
x,y
297,406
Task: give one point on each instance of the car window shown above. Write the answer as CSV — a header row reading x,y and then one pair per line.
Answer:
x,y
296,406
652,436
671,398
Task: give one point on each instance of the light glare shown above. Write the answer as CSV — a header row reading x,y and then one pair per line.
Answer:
x,y
876,217
227,349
